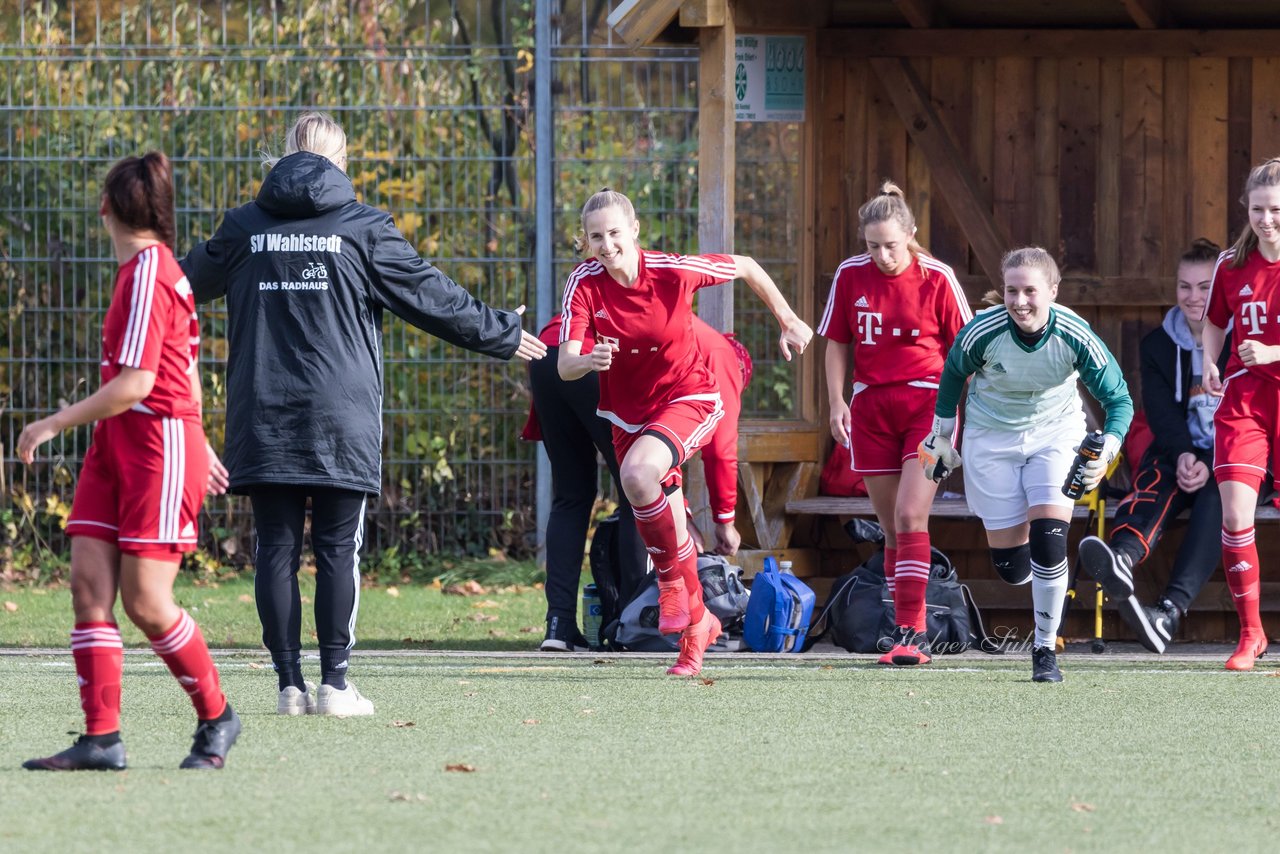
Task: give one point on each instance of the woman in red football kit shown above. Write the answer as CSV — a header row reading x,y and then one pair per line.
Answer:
x,y
655,387
1246,292
895,311
143,480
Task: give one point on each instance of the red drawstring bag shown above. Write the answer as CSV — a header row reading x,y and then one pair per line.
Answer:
x,y
837,478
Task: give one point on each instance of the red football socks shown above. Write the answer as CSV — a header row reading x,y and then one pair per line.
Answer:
x,y
687,560
911,577
183,649
99,657
657,528
890,561
1240,560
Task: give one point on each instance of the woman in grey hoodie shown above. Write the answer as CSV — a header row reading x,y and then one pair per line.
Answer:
x,y
1176,472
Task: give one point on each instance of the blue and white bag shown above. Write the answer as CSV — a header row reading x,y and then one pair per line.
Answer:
x,y
778,612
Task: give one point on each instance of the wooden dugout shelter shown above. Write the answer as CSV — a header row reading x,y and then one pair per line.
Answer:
x,y
1112,132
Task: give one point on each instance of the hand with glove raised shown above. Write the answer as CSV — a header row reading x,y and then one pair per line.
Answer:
x,y
937,454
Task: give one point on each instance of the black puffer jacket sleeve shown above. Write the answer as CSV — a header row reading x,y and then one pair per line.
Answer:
x,y
410,288
206,268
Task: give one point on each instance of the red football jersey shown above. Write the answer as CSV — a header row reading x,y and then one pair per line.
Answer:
x,y
657,360
151,325
899,327
1247,296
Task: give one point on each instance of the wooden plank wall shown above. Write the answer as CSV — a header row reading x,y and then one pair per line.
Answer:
x,y
1113,163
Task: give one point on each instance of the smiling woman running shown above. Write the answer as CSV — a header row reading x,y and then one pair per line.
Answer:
x,y
1023,418
655,387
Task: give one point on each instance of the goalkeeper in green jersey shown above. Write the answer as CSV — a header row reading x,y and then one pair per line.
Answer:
x,y
1023,421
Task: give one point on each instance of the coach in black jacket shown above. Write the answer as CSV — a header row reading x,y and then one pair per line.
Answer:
x,y
307,272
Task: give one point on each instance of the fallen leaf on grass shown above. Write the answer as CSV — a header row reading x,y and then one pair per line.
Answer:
x,y
484,618
588,711
305,600
245,598
257,665
467,588
497,633
708,681
470,694
393,592
10,606
487,603
528,630
531,721
994,819
1080,806
827,667
403,724
603,661
460,766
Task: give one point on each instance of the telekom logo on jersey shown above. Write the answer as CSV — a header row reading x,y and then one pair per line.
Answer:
x,y
1253,315
869,326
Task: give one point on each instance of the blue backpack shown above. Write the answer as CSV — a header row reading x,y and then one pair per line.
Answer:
x,y
778,612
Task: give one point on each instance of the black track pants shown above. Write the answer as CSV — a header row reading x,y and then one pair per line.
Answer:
x,y
1155,501
337,532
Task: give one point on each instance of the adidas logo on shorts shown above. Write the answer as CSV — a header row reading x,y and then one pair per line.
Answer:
x,y
862,303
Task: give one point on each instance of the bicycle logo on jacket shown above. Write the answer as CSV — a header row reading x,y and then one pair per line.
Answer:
x,y
315,271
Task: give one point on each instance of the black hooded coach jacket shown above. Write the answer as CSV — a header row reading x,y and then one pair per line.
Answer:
x,y
307,272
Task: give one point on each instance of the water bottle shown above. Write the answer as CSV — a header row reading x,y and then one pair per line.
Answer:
x,y
1090,450
784,567
592,610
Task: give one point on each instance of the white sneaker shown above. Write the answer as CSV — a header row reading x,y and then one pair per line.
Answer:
x,y
293,701
349,703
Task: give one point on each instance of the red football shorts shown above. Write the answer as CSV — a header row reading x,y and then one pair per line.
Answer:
x,y
888,423
1246,428
142,485
685,425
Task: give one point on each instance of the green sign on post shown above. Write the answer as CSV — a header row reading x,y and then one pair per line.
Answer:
x,y
768,80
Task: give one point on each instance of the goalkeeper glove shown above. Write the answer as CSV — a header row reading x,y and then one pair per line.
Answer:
x,y
937,454
1095,470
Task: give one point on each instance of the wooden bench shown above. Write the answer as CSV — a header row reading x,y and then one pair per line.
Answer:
x,y
943,508
946,508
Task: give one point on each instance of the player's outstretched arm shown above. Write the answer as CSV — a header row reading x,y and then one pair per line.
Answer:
x,y
796,334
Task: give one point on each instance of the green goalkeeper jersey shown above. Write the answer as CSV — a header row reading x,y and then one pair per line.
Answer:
x,y
1020,387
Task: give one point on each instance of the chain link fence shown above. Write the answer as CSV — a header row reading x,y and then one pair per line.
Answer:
x,y
436,98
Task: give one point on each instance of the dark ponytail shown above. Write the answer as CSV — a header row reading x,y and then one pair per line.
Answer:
x,y
138,192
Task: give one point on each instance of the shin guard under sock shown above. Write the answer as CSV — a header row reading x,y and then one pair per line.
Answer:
x,y
98,652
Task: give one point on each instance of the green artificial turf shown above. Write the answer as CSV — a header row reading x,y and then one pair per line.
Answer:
x,y
581,753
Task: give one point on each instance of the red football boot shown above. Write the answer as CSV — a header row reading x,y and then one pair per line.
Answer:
x,y
909,648
1252,646
693,643
673,606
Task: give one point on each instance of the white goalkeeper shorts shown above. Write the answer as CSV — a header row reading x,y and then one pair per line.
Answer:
x,y
1007,471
